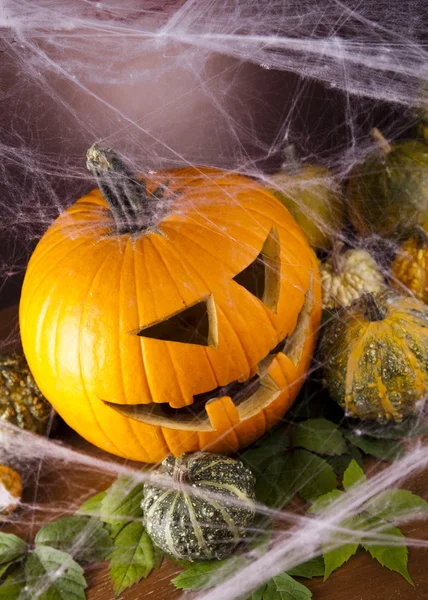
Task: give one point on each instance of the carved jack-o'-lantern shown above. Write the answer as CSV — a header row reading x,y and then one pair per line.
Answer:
x,y
173,314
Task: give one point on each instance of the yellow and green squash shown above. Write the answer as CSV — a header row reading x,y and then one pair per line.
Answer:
x,y
375,357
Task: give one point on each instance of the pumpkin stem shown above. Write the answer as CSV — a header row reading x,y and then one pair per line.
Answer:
x,y
381,141
372,308
125,195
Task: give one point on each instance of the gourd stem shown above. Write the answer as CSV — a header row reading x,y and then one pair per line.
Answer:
x,y
180,472
373,309
124,193
336,255
381,141
420,236
291,164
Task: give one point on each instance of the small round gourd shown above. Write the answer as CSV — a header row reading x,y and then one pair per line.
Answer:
x,y
188,523
21,401
409,271
346,277
388,192
375,356
313,197
10,490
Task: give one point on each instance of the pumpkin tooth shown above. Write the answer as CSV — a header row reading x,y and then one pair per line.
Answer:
x,y
222,413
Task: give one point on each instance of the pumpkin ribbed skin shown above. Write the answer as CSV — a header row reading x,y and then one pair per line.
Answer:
x,y
388,192
377,369
191,525
356,273
88,288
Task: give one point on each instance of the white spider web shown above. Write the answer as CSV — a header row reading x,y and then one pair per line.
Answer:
x,y
222,83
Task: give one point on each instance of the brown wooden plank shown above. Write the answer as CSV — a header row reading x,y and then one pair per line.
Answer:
x,y
57,490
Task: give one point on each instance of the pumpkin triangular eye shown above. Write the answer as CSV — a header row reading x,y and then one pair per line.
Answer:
x,y
262,277
196,324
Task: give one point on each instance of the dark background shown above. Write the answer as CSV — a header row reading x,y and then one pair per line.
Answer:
x,y
194,106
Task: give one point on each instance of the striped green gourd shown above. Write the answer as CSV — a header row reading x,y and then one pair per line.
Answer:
x,y
189,514
388,192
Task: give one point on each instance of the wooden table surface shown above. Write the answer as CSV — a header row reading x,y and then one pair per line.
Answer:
x,y
53,489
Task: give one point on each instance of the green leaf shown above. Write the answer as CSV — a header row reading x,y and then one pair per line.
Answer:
x,y
382,449
309,569
56,573
272,445
344,548
259,535
410,427
13,588
395,504
341,463
92,506
12,548
323,502
134,557
319,435
203,575
334,559
395,556
5,566
313,475
122,503
354,474
282,587
276,486
85,538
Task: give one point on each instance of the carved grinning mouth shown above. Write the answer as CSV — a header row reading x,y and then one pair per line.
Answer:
x,y
250,396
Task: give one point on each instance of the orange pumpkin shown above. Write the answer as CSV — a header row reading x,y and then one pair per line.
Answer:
x,y
176,313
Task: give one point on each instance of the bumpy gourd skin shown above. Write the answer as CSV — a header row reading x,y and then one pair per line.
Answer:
x,y
410,269
357,274
195,526
388,192
21,401
378,369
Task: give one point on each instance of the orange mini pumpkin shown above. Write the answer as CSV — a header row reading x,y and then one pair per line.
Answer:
x,y
176,313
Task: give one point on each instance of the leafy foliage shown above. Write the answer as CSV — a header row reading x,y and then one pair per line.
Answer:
x,y
333,559
304,460
282,587
314,476
13,588
85,538
275,487
353,475
92,506
56,573
207,574
395,504
320,436
12,549
309,569
390,504
134,557
394,556
383,449
122,503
